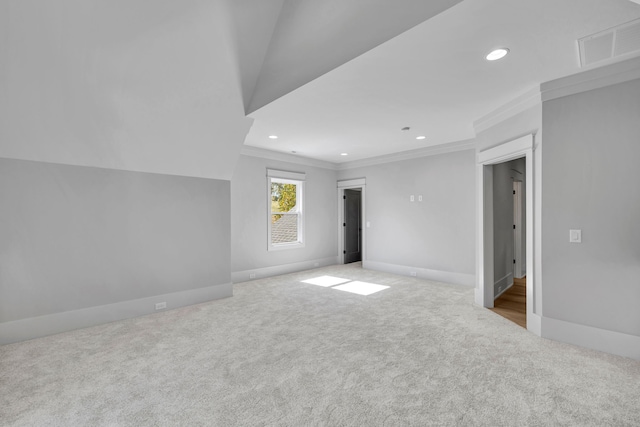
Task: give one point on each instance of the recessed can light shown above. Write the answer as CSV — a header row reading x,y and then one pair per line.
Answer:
x,y
273,136
344,154
420,137
497,54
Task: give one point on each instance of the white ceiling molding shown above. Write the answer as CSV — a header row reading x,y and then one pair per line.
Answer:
x,y
519,104
411,154
619,72
636,1
284,157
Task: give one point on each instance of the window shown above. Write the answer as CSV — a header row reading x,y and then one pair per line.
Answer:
x,y
286,216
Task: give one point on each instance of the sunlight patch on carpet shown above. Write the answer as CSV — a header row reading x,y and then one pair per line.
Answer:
x,y
361,288
325,281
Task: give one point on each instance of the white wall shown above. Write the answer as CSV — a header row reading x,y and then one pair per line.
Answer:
x,y
590,181
81,246
434,238
249,254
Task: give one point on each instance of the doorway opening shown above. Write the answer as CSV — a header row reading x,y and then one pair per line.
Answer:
x,y
351,217
509,179
496,270
352,225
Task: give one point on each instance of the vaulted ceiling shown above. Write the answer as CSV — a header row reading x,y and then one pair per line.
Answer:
x,y
433,77
179,87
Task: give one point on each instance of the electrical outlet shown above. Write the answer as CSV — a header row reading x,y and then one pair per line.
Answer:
x,y
161,305
420,198
412,198
413,273
252,275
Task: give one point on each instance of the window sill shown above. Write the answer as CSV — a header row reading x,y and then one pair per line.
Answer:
x,y
285,246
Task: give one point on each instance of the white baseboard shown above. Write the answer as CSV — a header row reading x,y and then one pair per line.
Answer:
x,y
594,338
478,297
276,270
534,324
36,327
422,273
506,282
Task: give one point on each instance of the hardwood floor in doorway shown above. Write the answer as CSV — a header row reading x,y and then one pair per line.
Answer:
x,y
512,304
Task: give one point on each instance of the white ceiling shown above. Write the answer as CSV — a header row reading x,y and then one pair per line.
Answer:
x,y
432,77
164,86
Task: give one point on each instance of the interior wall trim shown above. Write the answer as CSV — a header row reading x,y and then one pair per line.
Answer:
x,y
422,273
351,183
506,283
276,270
372,161
36,327
597,78
285,157
521,103
410,154
589,337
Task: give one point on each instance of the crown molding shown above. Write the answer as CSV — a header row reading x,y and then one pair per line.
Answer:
x,y
597,78
285,157
410,154
517,105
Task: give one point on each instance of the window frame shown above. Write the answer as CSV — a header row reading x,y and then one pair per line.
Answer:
x,y
286,177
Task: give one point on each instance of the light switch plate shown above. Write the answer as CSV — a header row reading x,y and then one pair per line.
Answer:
x,y
575,236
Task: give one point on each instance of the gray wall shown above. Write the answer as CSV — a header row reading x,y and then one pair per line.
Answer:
x,y
591,182
504,174
249,218
435,234
74,237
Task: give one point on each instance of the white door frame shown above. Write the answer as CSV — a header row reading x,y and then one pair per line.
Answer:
x,y
521,147
346,185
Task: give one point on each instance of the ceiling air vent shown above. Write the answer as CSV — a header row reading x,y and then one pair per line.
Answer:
x,y
608,44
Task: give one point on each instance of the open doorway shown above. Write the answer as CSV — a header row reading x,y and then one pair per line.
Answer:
x,y
509,185
352,225
351,220
488,275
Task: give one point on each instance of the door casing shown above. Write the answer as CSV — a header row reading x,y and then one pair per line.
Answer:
x,y
344,185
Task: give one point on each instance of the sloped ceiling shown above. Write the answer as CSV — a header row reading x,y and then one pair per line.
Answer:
x,y
313,37
141,85
162,85
434,79
165,86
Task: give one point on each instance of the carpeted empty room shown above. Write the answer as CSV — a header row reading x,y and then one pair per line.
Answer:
x,y
283,352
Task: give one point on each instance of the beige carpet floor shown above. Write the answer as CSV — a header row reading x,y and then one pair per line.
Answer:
x,y
286,353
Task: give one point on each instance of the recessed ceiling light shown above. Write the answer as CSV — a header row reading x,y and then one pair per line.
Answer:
x,y
293,152
344,154
273,136
420,137
405,128
497,54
